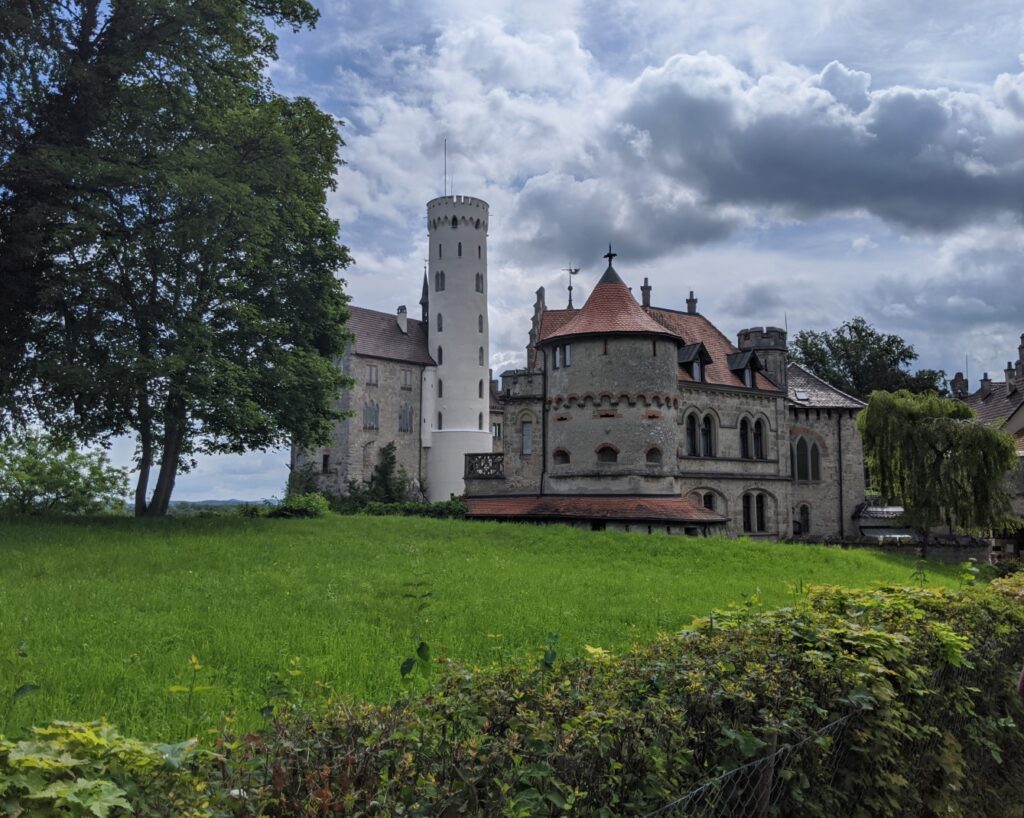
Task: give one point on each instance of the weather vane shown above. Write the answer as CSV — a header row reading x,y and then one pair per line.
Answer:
x,y
571,271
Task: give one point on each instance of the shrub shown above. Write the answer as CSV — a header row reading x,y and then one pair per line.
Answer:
x,y
310,504
90,770
40,473
925,677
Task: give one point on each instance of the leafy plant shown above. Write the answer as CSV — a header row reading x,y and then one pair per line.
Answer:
x,y
41,473
301,505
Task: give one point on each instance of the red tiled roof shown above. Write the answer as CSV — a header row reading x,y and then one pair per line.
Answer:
x,y
807,389
377,335
694,328
610,308
582,507
999,404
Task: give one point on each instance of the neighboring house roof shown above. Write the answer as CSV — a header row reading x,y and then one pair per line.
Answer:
x,y
808,390
637,508
377,335
999,404
868,512
693,328
610,309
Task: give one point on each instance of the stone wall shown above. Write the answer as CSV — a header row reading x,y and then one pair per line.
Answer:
x,y
842,461
354,451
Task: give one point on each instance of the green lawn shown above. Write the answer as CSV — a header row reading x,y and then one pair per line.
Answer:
x,y
110,611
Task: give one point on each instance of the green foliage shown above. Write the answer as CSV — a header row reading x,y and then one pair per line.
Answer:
x,y
302,480
347,596
72,72
301,505
445,509
69,769
932,455
858,359
192,294
925,677
42,474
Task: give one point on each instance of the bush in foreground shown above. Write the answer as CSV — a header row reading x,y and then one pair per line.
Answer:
x,y
918,686
310,504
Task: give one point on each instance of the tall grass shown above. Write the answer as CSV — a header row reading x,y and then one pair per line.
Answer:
x,y
106,615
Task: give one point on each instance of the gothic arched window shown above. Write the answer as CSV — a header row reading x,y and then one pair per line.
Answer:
x,y
440,322
806,459
480,356
759,449
805,519
460,249
480,421
480,388
440,356
748,513
479,323
707,437
744,438
760,507
440,420
691,436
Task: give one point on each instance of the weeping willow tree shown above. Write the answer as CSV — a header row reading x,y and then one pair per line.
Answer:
x,y
939,460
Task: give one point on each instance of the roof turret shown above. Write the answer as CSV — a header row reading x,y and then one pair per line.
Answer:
x,y
611,308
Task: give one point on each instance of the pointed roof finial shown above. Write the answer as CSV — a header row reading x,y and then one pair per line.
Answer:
x,y
610,255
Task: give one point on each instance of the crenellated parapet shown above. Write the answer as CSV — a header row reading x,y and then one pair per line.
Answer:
x,y
598,399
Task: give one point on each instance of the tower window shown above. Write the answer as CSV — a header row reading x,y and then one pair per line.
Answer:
x,y
567,355
607,454
372,375
440,388
479,282
759,449
527,435
440,356
654,456
479,250
440,420
479,323
480,355
557,358
654,348
325,465
440,322
744,439
480,421
460,249
605,352
561,457
455,222
439,251
439,281
480,388
691,436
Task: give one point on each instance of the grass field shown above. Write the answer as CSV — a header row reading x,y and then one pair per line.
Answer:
x,y
108,612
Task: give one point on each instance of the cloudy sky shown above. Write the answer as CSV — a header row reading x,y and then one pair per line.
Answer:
x,y
787,162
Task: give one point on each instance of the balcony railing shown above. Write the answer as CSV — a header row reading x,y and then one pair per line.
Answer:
x,y
485,466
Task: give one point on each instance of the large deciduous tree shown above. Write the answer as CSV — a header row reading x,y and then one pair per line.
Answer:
x,y
858,359
66,68
944,465
187,288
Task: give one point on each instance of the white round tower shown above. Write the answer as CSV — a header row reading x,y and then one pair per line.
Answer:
x,y
458,333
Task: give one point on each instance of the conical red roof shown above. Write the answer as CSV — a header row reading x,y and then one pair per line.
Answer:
x,y
610,308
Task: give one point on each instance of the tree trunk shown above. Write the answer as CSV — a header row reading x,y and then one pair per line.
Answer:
x,y
174,434
142,486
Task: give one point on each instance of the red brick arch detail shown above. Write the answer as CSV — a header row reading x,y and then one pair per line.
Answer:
x,y
810,434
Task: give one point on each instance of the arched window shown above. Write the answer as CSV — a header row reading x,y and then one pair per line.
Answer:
x,y
479,249
477,224
607,454
760,504
698,374
480,356
440,388
803,471
460,249
654,347
744,438
479,282
480,388
709,501
440,356
805,519
707,437
691,436
806,461
480,421
439,281
440,322
439,251
759,450
748,513
455,222
440,421
654,456
479,323
561,457
527,437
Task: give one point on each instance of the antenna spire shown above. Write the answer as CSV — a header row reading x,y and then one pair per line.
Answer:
x,y
571,271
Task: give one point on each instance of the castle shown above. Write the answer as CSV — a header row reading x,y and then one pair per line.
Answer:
x,y
626,416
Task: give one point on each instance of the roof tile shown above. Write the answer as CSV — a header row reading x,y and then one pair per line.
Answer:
x,y
807,389
377,335
999,403
576,507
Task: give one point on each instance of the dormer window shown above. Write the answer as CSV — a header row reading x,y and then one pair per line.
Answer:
x,y
748,377
697,371
694,359
743,365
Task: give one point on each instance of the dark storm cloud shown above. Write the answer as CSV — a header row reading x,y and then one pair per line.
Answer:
x,y
930,160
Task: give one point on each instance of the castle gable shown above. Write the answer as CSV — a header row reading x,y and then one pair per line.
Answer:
x,y
808,390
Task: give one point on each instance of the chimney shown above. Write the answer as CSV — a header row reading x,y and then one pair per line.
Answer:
x,y
403,320
645,291
691,304
986,386
1011,378
959,386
